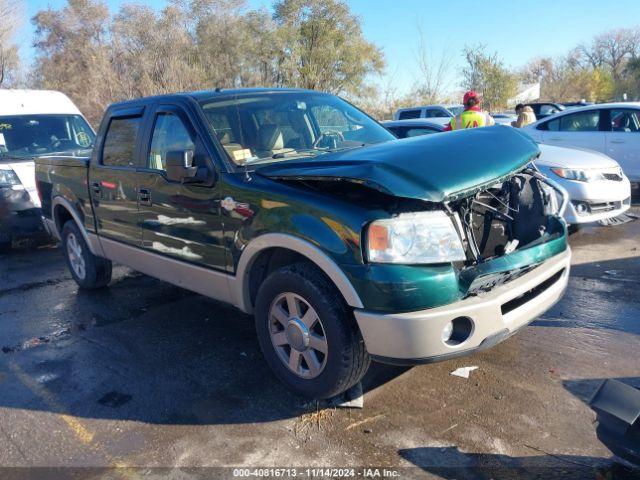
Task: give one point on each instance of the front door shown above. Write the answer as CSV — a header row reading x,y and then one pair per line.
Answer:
x,y
580,129
178,220
113,182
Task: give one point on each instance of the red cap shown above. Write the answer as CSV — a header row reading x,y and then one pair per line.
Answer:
x,y
469,95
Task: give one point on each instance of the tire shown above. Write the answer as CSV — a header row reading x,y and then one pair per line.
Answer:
x,y
573,229
88,270
319,375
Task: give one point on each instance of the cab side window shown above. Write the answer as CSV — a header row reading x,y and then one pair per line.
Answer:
x,y
169,133
119,145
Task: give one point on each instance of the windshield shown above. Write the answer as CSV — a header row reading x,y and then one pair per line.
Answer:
x,y
265,128
34,135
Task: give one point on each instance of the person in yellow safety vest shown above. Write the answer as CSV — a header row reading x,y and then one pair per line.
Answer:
x,y
472,116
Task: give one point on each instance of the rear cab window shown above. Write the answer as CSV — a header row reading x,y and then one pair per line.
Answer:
x,y
409,114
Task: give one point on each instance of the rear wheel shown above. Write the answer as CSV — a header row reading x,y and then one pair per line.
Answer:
x,y
307,334
88,270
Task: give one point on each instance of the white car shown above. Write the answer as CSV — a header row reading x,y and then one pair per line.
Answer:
x,y
434,113
597,187
610,128
504,118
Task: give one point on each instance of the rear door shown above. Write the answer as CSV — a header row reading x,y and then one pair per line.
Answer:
x,y
178,220
581,129
623,140
113,183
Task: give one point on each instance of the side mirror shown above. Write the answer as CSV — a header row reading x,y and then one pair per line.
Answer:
x,y
180,166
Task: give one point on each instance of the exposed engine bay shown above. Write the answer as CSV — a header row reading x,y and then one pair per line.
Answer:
x,y
507,216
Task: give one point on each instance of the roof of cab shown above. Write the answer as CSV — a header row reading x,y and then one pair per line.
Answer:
x,y
33,102
210,94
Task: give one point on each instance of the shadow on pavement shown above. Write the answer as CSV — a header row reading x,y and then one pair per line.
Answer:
x,y
140,350
450,463
601,295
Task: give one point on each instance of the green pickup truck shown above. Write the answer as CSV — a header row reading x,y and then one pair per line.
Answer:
x,y
345,243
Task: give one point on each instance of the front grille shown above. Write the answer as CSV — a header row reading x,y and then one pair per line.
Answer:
x,y
517,302
604,207
612,176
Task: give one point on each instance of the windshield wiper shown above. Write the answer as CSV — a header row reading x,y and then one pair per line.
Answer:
x,y
279,156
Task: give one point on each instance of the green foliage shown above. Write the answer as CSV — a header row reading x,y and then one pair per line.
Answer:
x,y
486,74
97,58
323,46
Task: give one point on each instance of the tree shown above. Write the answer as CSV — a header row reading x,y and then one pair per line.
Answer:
x,y
236,46
487,75
322,47
433,70
10,20
611,50
154,53
73,55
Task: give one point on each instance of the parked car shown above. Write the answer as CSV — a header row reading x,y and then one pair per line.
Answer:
x,y
412,128
543,110
504,118
576,104
33,123
611,128
297,207
435,113
597,187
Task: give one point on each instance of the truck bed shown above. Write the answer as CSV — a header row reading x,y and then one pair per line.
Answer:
x,y
65,177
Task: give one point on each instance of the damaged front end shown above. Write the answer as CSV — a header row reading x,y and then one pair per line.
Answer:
x,y
501,224
442,217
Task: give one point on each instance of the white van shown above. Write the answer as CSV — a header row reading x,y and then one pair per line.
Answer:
x,y
33,123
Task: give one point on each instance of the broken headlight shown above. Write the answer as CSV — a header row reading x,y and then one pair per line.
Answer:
x,y
414,238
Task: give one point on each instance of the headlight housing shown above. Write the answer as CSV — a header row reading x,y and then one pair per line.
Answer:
x,y
578,175
414,238
8,177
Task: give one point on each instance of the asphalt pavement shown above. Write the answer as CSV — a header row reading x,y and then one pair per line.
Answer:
x,y
145,374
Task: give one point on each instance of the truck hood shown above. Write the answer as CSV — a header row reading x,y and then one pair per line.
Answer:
x,y
434,168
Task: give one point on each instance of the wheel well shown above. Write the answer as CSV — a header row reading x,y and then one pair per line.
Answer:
x,y
269,260
61,216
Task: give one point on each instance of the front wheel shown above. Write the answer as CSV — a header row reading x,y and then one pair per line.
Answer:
x,y
88,270
307,334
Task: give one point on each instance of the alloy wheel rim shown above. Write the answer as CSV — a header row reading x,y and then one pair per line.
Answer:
x,y
76,259
297,335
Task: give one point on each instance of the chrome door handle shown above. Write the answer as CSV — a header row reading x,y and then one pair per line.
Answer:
x,y
95,186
